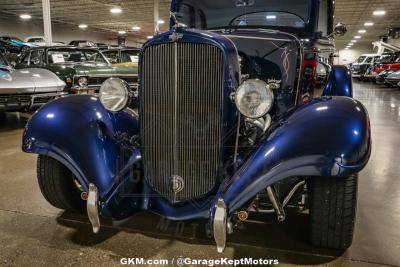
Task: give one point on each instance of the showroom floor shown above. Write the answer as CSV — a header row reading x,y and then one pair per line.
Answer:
x,y
32,232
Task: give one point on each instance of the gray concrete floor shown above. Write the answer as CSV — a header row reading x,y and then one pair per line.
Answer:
x,y
34,233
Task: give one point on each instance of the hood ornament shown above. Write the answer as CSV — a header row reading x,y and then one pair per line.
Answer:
x,y
177,24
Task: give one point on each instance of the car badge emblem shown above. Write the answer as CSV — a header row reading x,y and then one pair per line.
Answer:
x,y
175,36
176,183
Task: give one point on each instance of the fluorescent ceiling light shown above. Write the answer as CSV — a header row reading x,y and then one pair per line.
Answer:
x,y
357,37
82,26
149,37
353,41
116,10
161,21
350,44
121,32
362,31
347,48
379,13
25,16
136,28
271,17
368,24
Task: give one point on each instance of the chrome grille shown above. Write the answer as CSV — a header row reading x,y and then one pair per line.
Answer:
x,y
181,98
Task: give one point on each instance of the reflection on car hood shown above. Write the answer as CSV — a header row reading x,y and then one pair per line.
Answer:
x,y
394,76
29,80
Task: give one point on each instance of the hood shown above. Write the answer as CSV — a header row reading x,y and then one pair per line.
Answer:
x,y
29,80
395,76
22,43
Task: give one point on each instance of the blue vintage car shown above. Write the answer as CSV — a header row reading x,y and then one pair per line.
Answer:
x,y
230,122
14,45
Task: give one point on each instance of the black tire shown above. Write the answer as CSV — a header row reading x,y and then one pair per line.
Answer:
x,y
333,203
58,186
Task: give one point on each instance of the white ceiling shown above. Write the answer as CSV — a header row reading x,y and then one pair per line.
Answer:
x,y
96,14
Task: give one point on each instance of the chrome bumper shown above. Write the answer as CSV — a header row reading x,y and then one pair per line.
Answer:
x,y
18,102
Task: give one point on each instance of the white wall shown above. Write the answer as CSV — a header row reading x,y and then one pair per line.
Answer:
x,y
349,56
63,33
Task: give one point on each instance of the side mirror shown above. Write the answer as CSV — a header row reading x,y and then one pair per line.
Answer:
x,y
340,29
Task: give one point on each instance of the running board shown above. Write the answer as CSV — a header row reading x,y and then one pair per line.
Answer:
x,y
92,208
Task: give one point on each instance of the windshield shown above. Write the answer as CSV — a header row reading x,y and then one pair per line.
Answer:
x,y
129,56
211,14
3,61
59,56
360,59
36,40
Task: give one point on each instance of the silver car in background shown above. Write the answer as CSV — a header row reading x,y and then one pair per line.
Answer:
x,y
393,79
25,89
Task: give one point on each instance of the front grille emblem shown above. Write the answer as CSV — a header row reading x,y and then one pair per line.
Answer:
x,y
176,183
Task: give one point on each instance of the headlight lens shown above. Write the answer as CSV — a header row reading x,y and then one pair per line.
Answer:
x,y
83,81
114,94
254,98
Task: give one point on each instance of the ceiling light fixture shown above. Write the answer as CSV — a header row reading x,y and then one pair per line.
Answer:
x,y
121,32
362,31
347,48
353,41
368,24
116,10
357,37
82,26
160,21
149,37
136,28
379,13
25,16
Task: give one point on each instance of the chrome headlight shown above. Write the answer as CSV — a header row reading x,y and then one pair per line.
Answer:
x,y
83,82
114,94
254,98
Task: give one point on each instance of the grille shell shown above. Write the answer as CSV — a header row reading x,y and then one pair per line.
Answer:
x,y
181,102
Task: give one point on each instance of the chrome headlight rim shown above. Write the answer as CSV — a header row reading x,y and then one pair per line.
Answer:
x,y
124,90
239,106
83,81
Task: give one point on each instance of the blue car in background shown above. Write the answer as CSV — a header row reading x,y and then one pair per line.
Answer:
x,y
14,45
232,121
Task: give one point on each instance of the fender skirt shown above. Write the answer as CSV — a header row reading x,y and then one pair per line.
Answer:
x,y
79,132
328,136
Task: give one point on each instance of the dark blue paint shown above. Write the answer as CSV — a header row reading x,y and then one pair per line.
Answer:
x,y
80,133
328,136
339,82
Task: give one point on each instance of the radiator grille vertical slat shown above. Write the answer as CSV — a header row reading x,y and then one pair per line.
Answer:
x,y
181,100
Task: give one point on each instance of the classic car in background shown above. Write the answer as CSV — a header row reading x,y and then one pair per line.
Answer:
x,y
370,74
82,43
361,66
14,45
393,79
82,69
223,129
22,90
389,63
381,77
123,56
40,41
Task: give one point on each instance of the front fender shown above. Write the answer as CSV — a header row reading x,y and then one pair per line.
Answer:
x,y
328,136
339,82
80,133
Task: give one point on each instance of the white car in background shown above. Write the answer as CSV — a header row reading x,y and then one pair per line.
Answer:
x,y
26,89
40,41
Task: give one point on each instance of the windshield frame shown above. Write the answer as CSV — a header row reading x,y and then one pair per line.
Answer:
x,y
309,31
